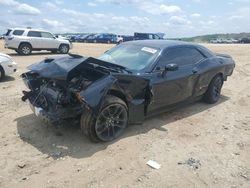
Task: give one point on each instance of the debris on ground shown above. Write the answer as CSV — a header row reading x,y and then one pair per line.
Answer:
x,y
24,178
244,175
153,164
195,164
21,165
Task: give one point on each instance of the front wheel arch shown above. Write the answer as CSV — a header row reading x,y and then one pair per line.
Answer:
x,y
118,94
20,48
21,43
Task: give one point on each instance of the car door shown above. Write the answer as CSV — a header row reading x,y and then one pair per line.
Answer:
x,y
172,87
35,39
49,41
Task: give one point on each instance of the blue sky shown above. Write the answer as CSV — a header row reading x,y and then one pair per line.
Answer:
x,y
176,18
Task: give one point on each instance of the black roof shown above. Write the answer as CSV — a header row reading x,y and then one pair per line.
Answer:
x,y
161,44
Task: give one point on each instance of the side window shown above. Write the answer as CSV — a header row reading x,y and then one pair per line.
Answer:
x,y
101,36
181,56
47,35
34,34
18,32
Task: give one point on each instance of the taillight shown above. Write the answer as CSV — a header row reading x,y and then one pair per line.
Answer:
x,y
10,38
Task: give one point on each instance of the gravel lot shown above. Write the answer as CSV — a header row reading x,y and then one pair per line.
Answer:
x,y
199,145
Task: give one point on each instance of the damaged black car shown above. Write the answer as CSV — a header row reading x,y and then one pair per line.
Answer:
x,y
127,83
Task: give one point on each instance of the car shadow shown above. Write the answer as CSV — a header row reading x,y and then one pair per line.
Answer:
x,y
67,140
7,79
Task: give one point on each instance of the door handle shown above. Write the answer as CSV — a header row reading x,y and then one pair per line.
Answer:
x,y
195,70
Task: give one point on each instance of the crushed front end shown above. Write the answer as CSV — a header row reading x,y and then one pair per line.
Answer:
x,y
53,100
57,87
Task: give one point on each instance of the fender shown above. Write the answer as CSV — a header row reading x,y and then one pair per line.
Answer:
x,y
96,92
132,87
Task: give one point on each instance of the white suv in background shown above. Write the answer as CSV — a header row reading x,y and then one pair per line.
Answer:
x,y
24,41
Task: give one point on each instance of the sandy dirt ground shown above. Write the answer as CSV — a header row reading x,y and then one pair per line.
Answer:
x,y
198,145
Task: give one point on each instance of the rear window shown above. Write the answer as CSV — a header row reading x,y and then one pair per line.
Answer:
x,y
8,32
18,32
34,34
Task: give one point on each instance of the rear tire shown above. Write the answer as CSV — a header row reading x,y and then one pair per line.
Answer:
x,y
64,48
25,49
2,73
212,94
108,127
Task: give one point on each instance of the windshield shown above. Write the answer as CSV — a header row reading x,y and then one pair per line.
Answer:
x,y
132,57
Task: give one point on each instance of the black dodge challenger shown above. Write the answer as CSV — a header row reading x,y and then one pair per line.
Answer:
x,y
127,83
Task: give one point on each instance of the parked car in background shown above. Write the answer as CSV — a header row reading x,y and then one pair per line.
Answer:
x,y
147,36
104,38
24,41
127,38
7,66
119,39
126,84
90,38
245,40
63,37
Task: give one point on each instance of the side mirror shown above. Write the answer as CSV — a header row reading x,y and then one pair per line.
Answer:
x,y
171,67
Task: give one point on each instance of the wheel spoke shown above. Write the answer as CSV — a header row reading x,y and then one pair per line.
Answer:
x,y
105,115
113,131
118,125
118,112
104,128
108,132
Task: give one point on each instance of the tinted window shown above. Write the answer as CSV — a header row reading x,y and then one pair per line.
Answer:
x,y
18,32
181,56
8,32
47,35
141,35
34,34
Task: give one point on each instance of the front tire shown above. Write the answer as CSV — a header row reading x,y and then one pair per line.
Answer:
x,y
2,73
25,49
109,123
64,48
213,92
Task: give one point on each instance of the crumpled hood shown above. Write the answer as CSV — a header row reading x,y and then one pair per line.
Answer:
x,y
57,68
61,68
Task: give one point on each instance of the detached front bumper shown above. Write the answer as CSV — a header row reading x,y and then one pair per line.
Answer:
x,y
42,115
